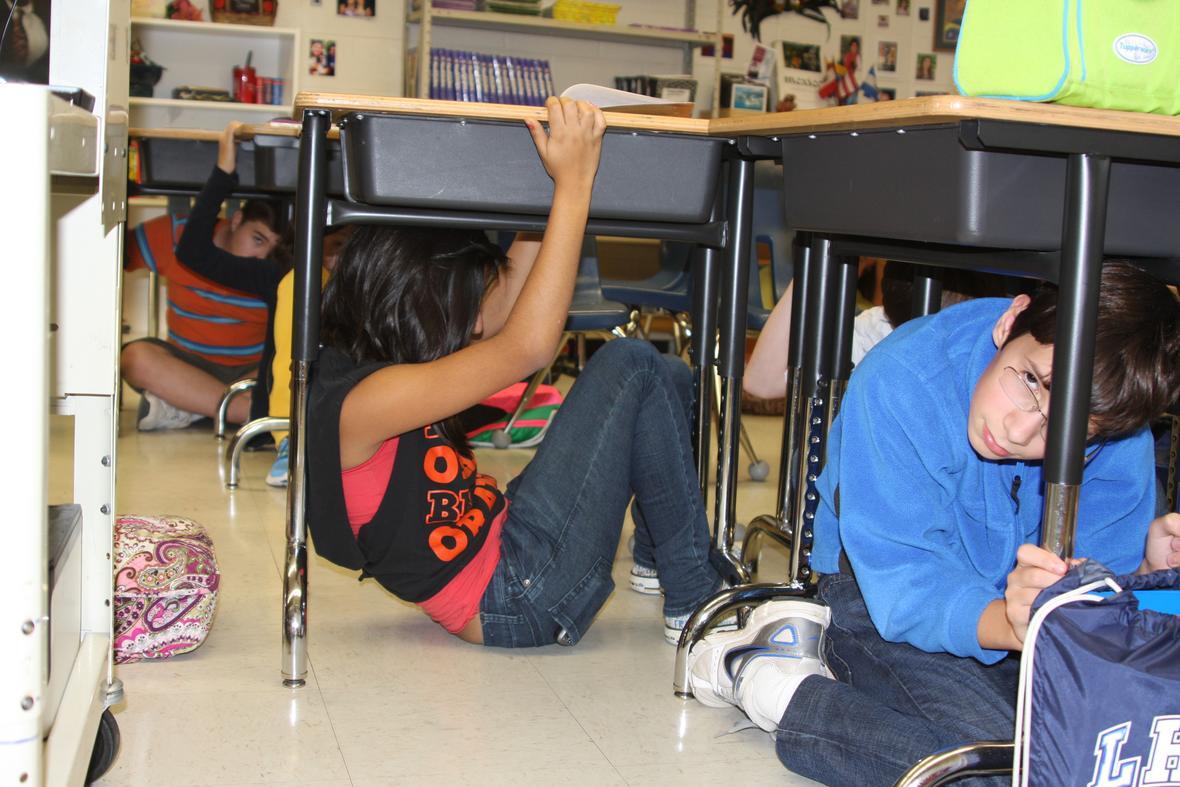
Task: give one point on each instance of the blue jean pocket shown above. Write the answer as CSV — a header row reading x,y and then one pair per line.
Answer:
x,y
575,611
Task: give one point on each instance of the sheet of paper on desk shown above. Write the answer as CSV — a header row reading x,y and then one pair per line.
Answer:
x,y
611,100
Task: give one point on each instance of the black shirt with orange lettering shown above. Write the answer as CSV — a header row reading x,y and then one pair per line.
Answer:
x,y
434,516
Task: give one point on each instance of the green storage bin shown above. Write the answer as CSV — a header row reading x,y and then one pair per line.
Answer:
x,y
1112,54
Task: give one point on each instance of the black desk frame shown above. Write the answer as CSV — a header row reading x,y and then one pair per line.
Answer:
x,y
720,280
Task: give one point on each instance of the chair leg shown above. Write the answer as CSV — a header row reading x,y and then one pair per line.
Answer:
x,y
501,437
759,469
760,528
975,759
233,453
241,386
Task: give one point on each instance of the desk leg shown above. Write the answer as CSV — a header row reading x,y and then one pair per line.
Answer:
x,y
309,234
702,349
815,389
1084,233
735,277
788,483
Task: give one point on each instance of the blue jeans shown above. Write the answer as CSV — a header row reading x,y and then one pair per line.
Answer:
x,y
623,431
891,705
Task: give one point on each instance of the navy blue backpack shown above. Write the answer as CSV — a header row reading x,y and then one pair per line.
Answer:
x,y
1099,701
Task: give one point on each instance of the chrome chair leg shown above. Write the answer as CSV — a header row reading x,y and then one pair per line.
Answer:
x,y
762,527
233,453
241,386
976,759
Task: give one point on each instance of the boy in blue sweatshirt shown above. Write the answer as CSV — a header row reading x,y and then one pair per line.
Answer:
x,y
926,536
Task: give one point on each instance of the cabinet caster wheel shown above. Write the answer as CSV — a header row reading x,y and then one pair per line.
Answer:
x,y
760,470
500,439
106,746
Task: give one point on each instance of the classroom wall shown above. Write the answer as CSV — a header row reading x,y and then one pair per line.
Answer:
x,y
912,35
368,49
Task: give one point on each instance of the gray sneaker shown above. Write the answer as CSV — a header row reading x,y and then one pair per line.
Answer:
x,y
790,631
645,580
161,415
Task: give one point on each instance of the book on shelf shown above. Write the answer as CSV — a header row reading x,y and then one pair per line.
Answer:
x,y
457,75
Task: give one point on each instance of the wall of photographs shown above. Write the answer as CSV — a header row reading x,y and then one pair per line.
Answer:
x,y
865,50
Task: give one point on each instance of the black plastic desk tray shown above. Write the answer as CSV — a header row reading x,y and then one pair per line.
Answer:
x,y
276,164
455,164
923,185
186,163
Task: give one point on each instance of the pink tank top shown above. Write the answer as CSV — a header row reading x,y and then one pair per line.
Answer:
x,y
458,602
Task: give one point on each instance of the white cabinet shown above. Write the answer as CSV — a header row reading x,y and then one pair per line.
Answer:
x,y
577,52
203,54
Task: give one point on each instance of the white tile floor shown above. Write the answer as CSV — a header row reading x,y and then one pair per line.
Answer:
x,y
391,698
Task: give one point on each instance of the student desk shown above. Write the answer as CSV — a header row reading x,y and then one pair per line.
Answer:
x,y
177,161
452,164
1034,190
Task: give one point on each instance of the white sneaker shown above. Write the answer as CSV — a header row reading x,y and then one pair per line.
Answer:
x,y
161,415
674,626
787,634
645,580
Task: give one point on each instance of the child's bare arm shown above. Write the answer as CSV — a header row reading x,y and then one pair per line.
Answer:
x,y
499,300
766,372
398,398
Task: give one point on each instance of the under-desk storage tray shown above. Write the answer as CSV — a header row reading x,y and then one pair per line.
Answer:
x,y
924,185
455,164
276,164
186,163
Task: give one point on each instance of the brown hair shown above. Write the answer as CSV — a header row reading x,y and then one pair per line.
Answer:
x,y
1136,346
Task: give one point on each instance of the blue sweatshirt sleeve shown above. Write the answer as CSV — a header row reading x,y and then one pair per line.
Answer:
x,y
898,486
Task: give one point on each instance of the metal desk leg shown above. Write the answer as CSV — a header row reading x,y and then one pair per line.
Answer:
x,y
1083,236
778,527
309,233
706,265
731,320
815,386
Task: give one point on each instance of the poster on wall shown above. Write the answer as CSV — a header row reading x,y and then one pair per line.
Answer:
x,y
801,74
887,56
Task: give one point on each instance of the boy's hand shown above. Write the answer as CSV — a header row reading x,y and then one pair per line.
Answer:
x,y
1162,550
1036,569
227,148
571,149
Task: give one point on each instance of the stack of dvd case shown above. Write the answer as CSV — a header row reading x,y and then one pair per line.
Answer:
x,y
496,79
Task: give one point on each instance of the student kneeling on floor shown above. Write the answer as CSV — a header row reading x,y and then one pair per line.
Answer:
x,y
927,528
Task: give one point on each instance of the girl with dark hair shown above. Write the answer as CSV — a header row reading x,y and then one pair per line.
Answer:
x,y
419,325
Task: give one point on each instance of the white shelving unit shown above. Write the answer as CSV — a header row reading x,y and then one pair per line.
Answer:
x,y
430,22
203,54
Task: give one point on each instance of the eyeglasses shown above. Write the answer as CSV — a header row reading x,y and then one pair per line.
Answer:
x,y
1020,392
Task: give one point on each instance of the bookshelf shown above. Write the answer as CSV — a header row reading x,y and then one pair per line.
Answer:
x,y
432,25
202,54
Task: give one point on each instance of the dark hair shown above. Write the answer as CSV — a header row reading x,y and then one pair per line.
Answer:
x,y
264,211
897,288
1136,346
409,295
